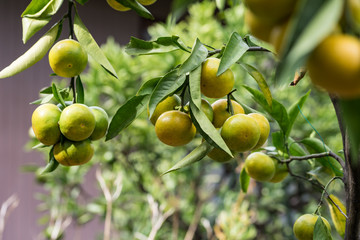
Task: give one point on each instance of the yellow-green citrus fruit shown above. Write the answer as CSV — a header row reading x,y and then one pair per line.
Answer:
x,y
44,121
264,128
67,58
271,11
77,122
240,132
281,172
258,27
146,2
117,6
207,109
165,105
101,123
260,166
69,153
175,128
335,65
305,224
354,6
213,86
221,113
219,155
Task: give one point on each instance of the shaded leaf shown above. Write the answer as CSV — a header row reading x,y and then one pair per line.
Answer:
x,y
238,99
91,47
314,20
80,95
197,56
82,2
321,232
338,219
57,95
294,111
126,114
194,84
207,129
137,7
194,156
244,180
52,164
277,111
315,145
234,50
148,87
138,46
166,86
259,78
34,54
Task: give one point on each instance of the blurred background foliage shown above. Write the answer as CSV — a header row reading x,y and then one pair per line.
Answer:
x,y
203,201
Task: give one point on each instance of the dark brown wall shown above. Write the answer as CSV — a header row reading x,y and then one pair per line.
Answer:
x,y
15,112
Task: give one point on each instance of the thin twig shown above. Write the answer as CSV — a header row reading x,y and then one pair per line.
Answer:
x,y
323,193
6,208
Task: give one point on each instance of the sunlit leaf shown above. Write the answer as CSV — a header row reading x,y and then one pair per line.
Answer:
x,y
137,7
197,56
194,156
91,47
338,219
32,25
34,54
234,50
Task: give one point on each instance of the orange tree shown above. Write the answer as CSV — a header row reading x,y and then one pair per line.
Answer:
x,y
301,32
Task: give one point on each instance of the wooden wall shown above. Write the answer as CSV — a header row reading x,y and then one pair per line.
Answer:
x,y
15,112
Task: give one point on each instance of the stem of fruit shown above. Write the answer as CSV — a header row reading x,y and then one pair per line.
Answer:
x,y
69,16
230,108
323,194
182,95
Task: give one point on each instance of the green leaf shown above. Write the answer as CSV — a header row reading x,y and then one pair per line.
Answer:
x,y
254,42
321,232
138,46
198,55
194,156
194,84
277,111
234,50
80,95
31,26
314,20
126,114
82,2
338,219
57,95
34,54
244,180
351,116
91,47
220,4
259,78
36,8
52,164
294,111
166,86
137,7
207,129
148,87
239,99
279,139
315,145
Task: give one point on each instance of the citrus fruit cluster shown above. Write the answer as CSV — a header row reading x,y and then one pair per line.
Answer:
x,y
70,130
67,58
119,7
334,65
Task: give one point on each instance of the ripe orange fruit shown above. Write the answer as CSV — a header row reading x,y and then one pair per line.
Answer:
x,y
117,6
101,123
165,105
335,65
264,128
271,11
305,224
220,108
281,172
260,166
71,153
213,86
146,2
67,58
240,132
77,122
175,128
44,121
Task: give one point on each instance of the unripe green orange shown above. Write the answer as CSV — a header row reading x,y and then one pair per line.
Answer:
x,y
117,6
69,153
305,224
101,123
165,105
260,166
221,113
264,128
